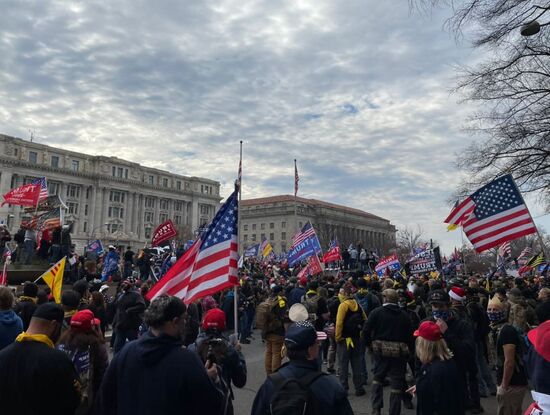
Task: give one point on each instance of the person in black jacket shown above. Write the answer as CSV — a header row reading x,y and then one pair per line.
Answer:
x,y
34,377
302,349
389,328
459,335
130,307
438,378
156,375
229,357
26,304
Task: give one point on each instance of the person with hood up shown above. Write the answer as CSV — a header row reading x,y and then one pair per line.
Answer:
x,y
26,305
110,264
347,332
389,334
211,342
130,306
156,375
11,324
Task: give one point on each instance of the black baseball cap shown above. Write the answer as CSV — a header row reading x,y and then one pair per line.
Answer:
x,y
438,297
50,312
300,336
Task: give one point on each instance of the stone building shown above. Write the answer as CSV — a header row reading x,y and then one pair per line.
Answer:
x,y
107,197
273,219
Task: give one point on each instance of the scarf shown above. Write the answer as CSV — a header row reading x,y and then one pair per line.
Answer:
x,y
41,338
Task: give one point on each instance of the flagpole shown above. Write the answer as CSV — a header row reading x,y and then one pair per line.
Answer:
x,y
295,199
462,249
235,291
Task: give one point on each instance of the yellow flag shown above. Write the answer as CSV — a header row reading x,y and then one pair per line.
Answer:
x,y
54,278
451,227
267,249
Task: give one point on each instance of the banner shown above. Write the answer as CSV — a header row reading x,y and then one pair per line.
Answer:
x,y
426,261
332,255
252,251
313,267
163,232
390,262
301,251
26,195
95,246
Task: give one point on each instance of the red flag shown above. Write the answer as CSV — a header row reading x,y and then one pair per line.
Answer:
x,y
313,267
210,265
26,195
164,232
332,255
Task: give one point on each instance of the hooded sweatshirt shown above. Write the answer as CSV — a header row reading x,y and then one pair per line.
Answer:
x,y
155,375
348,304
10,327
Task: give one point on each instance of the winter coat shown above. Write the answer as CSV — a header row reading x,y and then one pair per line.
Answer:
x,y
156,375
130,306
25,309
389,323
347,305
11,326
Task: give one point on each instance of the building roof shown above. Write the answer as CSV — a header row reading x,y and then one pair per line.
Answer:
x,y
310,202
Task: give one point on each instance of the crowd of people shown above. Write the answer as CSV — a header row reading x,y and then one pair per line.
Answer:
x,y
440,345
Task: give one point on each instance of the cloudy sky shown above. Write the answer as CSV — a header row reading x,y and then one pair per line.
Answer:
x,y
356,90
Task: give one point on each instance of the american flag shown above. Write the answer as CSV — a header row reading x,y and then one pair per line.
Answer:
x,y
43,188
504,249
296,178
333,243
239,174
494,214
48,220
306,232
525,255
210,264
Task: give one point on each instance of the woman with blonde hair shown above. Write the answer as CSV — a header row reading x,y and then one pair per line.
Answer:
x,y
438,383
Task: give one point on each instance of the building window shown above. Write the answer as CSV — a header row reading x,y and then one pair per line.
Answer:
x,y
203,222
85,226
300,225
163,217
271,225
147,232
53,188
245,227
283,247
148,217
149,202
73,207
75,165
178,185
205,209
125,173
283,225
283,236
33,157
164,204
253,237
253,226
15,152
114,171
262,237
85,210
178,206
271,236
116,212
73,191
54,161
88,191
177,220
117,197
262,226
164,182
114,227
151,179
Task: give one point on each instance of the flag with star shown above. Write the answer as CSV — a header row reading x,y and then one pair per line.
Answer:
x,y
210,265
494,214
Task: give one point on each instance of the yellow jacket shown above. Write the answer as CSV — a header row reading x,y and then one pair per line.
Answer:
x,y
347,304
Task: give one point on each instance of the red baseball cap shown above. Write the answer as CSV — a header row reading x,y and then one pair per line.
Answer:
x,y
84,320
540,339
303,280
214,319
430,331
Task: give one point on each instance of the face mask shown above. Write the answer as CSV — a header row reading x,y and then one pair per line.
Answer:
x,y
443,315
495,315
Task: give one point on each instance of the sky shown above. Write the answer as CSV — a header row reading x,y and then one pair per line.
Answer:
x,y
357,91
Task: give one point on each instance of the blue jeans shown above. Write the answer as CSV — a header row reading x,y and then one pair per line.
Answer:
x,y
486,382
29,250
243,326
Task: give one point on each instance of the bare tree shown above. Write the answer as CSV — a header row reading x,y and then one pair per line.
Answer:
x,y
514,84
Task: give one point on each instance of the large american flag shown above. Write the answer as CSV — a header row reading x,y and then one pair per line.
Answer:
x,y
505,249
494,214
210,265
306,232
43,188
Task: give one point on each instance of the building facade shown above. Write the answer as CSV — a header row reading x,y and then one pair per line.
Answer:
x,y
274,219
106,197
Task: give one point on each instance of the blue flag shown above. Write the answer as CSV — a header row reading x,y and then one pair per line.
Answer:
x,y
95,246
252,251
302,250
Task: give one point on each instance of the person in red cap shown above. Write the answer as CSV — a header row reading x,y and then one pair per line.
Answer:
x,y
438,380
211,345
538,367
84,344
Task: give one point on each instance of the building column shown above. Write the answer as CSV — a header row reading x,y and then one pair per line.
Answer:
x,y
5,187
194,215
102,207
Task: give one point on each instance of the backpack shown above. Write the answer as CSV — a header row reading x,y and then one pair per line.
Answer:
x,y
292,396
311,303
263,312
353,323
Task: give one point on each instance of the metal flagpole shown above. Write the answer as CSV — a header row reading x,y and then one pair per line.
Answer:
x,y
295,198
235,291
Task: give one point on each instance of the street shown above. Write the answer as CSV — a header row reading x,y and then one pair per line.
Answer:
x,y
254,354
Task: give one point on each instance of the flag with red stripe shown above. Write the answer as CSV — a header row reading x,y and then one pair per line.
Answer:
x,y
494,214
210,264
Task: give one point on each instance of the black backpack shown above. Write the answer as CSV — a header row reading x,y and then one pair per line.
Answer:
x,y
353,323
292,396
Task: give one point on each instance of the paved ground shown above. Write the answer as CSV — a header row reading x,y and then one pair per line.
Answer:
x,y
254,354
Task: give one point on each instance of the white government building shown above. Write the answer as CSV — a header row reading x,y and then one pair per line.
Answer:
x,y
108,198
